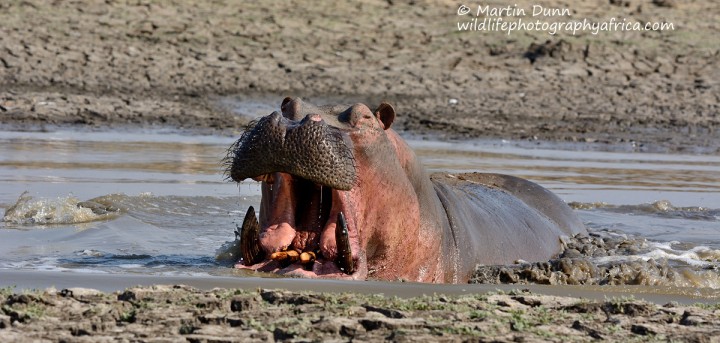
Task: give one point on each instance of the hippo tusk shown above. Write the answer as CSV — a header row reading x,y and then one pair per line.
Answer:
x,y
307,259
250,239
344,259
285,257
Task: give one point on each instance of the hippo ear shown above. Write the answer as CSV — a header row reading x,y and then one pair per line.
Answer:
x,y
386,113
291,108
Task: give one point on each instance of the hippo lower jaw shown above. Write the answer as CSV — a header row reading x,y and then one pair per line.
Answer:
x,y
309,230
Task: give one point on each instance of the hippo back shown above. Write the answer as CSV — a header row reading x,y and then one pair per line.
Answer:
x,y
499,219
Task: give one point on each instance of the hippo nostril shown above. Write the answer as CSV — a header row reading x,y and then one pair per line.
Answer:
x,y
313,117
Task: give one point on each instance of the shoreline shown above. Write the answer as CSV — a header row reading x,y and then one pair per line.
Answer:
x,y
179,312
224,120
27,280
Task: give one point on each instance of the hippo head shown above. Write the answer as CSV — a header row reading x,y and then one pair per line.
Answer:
x,y
321,170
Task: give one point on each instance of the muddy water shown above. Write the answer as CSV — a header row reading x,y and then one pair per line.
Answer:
x,y
159,204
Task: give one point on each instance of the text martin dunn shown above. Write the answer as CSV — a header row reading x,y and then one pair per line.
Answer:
x,y
515,11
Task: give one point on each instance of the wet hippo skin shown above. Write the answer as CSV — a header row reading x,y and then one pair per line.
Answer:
x,y
343,196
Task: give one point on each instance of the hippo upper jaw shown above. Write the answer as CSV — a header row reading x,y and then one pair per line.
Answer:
x,y
308,148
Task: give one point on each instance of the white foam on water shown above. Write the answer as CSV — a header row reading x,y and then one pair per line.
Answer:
x,y
130,266
50,264
698,256
695,266
89,253
45,211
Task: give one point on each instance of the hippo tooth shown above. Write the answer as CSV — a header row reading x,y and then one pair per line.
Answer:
x,y
344,259
285,257
307,259
250,239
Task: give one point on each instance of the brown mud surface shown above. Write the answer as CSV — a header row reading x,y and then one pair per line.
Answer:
x,y
152,63
181,313
581,263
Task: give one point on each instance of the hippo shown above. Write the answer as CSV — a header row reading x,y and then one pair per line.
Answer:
x,y
344,197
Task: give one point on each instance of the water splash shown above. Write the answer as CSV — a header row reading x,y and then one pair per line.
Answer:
x,y
609,258
61,210
661,208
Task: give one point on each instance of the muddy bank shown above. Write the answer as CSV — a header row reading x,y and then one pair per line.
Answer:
x,y
605,258
173,313
106,63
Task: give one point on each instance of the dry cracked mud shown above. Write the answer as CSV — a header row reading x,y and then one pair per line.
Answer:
x,y
180,313
152,63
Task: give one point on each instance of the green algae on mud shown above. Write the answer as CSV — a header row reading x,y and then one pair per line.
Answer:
x,y
183,313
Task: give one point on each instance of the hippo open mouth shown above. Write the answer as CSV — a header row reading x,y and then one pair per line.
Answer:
x,y
307,225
